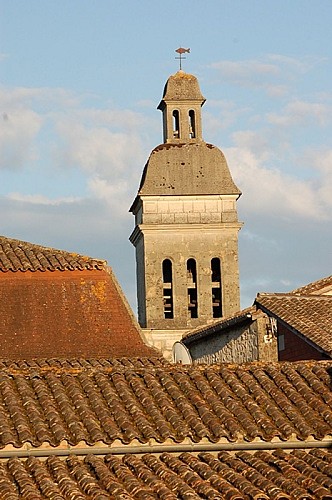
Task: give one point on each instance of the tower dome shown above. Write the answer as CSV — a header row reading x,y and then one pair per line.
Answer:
x,y
182,86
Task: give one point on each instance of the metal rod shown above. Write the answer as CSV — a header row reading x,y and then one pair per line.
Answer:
x,y
163,448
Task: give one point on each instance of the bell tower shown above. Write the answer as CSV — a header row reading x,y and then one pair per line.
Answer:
x,y
186,225
181,107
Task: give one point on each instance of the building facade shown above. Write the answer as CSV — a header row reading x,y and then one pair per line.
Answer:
x,y
243,337
186,224
303,320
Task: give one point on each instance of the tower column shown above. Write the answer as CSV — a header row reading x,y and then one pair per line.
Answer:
x,y
186,230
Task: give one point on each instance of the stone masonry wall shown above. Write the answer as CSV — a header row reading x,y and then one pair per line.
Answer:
x,y
244,344
178,229
188,210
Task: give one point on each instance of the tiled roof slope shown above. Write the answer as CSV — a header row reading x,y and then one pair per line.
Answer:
x,y
30,366
67,314
62,304
167,404
309,315
320,287
298,475
16,255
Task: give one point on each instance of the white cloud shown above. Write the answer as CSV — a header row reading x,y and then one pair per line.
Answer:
x,y
302,113
322,161
41,98
97,149
18,130
59,127
115,193
275,193
300,65
23,116
251,140
39,199
222,114
272,73
243,70
276,90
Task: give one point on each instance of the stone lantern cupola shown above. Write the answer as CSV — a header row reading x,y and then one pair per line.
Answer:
x,y
186,225
181,107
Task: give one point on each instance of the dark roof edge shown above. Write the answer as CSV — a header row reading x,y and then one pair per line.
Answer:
x,y
245,316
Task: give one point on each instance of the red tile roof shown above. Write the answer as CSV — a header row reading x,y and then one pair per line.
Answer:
x,y
298,475
98,402
60,304
16,255
320,287
30,366
109,404
309,315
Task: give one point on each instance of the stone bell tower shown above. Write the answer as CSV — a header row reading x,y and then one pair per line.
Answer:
x,y
186,234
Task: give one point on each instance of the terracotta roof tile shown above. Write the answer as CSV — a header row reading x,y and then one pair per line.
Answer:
x,y
310,315
103,402
280,475
319,287
16,255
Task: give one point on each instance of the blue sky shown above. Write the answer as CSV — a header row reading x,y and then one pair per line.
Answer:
x,y
79,85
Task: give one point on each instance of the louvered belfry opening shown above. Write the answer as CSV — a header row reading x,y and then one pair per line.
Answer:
x,y
168,289
216,288
192,124
176,124
192,288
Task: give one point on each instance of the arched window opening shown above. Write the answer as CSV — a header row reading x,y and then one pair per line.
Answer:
x,y
192,288
192,124
168,289
176,124
167,271
216,288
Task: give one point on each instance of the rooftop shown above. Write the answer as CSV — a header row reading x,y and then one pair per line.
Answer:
x,y
61,404
319,287
182,86
58,303
298,475
187,169
309,315
219,325
17,255
133,429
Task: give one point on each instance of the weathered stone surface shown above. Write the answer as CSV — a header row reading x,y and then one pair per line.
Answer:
x,y
241,344
187,169
185,215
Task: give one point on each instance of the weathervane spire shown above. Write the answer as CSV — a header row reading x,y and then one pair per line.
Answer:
x,y
181,51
